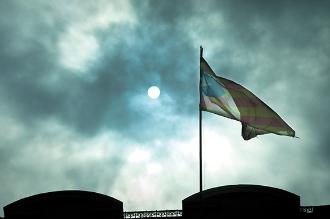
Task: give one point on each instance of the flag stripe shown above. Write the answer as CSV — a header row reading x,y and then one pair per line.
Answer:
x,y
263,122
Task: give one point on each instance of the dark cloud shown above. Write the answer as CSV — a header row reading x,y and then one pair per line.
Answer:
x,y
160,53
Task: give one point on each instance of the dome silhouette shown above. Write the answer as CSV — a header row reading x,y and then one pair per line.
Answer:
x,y
66,204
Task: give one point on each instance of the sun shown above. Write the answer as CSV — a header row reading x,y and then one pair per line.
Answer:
x,y
153,92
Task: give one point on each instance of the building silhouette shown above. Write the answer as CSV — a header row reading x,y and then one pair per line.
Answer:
x,y
65,204
231,201
238,201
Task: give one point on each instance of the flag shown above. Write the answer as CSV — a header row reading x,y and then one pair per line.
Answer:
x,y
229,99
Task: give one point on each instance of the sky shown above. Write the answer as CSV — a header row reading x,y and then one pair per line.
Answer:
x,y
75,114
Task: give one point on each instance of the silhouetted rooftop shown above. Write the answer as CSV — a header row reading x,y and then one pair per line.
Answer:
x,y
219,192
236,201
65,204
231,201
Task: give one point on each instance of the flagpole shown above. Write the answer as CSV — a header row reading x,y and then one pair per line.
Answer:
x,y
200,125
200,138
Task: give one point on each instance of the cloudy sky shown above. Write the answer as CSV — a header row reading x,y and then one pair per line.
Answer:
x,y
75,113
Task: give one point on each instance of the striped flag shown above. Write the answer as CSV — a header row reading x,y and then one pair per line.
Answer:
x,y
229,99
